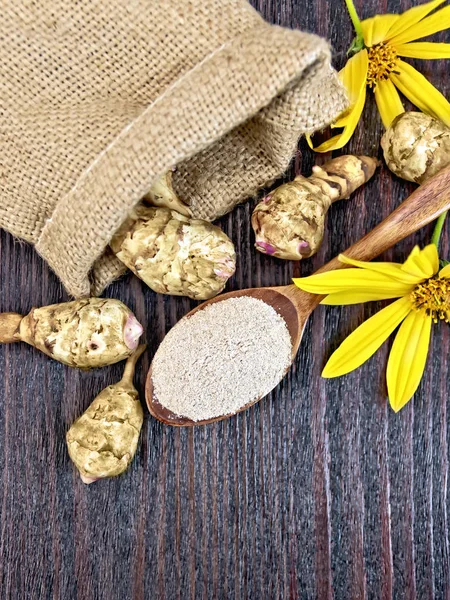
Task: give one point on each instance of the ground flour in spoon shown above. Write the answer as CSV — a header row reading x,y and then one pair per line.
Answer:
x,y
221,358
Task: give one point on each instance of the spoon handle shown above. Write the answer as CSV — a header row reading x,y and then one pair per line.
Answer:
x,y
424,205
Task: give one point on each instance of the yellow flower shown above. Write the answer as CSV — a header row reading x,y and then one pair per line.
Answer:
x,y
379,66
423,298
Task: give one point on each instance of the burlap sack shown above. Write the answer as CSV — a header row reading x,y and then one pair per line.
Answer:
x,y
98,97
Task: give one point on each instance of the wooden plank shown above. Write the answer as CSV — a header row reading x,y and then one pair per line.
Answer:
x,y
320,491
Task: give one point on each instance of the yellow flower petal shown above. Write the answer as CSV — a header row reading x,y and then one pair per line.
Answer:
x,y
342,119
445,272
339,141
353,76
388,101
421,92
366,339
352,279
376,28
414,252
439,21
358,297
426,50
431,257
392,270
407,358
410,20
422,263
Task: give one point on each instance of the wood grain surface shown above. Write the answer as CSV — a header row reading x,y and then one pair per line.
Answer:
x,y
319,491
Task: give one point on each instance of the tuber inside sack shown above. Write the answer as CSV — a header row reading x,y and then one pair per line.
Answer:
x,y
175,255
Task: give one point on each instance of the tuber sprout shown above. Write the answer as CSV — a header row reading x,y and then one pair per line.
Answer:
x,y
85,333
289,222
103,441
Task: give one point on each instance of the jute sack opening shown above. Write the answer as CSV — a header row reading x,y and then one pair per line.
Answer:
x,y
99,97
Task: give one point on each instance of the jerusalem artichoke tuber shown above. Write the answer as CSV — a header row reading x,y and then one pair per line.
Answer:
x,y
163,195
174,254
289,222
85,333
103,441
416,146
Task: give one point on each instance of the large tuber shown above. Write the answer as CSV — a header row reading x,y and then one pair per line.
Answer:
x,y
416,146
103,441
85,333
174,254
289,222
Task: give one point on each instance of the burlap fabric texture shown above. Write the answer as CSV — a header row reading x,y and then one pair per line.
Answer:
x,y
99,97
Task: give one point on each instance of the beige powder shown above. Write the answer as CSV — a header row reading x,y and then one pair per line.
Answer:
x,y
221,358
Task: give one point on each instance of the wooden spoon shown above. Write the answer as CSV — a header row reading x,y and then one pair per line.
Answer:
x,y
424,205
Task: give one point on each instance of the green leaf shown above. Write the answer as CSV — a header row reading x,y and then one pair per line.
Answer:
x,y
357,46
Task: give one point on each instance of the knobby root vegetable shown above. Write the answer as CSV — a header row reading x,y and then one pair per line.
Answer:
x,y
416,146
103,441
289,222
163,195
174,254
85,333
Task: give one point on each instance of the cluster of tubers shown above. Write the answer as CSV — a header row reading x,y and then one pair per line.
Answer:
x,y
289,222
90,333
173,253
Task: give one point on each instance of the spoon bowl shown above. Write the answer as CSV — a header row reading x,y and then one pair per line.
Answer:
x,y
291,303
424,205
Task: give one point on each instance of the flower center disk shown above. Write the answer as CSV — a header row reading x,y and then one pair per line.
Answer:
x,y
433,296
382,62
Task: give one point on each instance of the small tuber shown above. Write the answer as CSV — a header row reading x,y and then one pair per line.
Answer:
x,y
103,441
163,195
174,254
416,146
289,222
85,333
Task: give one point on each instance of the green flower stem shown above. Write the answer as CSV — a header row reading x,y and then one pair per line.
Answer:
x,y
359,42
438,230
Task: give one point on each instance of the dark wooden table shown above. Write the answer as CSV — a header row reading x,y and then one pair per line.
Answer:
x,y
319,491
